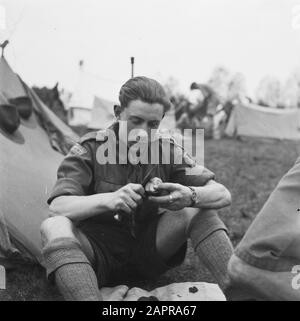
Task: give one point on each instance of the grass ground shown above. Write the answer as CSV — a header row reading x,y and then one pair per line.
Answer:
x,y
249,168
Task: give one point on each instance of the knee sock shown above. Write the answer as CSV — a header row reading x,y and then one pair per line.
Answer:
x,y
213,246
72,272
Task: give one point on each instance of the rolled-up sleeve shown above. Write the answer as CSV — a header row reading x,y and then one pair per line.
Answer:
x,y
75,174
186,171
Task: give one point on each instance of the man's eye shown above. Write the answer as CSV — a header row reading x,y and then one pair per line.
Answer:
x,y
154,124
137,121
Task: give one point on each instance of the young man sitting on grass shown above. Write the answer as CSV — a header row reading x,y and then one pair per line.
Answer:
x,y
108,221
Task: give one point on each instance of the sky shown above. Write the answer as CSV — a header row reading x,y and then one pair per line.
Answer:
x,y
184,39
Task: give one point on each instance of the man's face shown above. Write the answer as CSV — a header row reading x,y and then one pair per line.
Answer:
x,y
140,116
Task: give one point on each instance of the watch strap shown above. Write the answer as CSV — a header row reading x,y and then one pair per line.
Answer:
x,y
193,196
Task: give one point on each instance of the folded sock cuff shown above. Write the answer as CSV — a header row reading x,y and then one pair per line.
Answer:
x,y
62,251
204,224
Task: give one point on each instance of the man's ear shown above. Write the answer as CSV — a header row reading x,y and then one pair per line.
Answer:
x,y
117,111
163,115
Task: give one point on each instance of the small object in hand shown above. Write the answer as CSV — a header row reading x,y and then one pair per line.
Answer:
x,y
148,298
155,181
117,217
193,289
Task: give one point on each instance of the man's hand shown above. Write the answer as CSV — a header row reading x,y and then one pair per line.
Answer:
x,y
178,196
127,198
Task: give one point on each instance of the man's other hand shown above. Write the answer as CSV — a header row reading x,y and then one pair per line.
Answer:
x,y
127,198
178,197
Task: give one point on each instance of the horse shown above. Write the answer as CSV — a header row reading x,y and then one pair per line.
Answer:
x,y
51,98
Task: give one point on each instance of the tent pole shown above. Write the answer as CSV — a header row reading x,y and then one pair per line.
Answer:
x,y
132,66
3,45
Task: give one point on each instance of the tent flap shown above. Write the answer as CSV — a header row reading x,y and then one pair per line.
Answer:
x,y
29,160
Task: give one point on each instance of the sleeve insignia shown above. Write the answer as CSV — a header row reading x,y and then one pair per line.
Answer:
x,y
78,150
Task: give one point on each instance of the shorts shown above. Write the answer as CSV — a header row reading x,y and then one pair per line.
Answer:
x,y
120,257
272,242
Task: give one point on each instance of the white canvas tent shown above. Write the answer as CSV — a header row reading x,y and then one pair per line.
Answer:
x,y
10,85
257,121
80,105
87,107
102,113
79,116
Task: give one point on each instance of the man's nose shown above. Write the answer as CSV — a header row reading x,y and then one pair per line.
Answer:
x,y
144,127
144,131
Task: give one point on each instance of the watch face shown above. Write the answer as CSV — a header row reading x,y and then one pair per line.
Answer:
x,y
194,195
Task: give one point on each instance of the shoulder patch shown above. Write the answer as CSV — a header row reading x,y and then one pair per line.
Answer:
x,y
78,150
88,136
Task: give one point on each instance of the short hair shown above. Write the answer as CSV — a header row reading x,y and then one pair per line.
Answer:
x,y
145,89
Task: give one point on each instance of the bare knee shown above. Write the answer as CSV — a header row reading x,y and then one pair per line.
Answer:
x,y
55,227
188,215
54,222
184,217
181,218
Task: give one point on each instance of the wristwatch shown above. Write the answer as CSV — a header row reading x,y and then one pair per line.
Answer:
x,y
193,196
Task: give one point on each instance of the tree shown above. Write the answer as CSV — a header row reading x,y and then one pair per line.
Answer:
x,y
172,87
236,87
268,92
227,85
296,76
219,81
289,93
